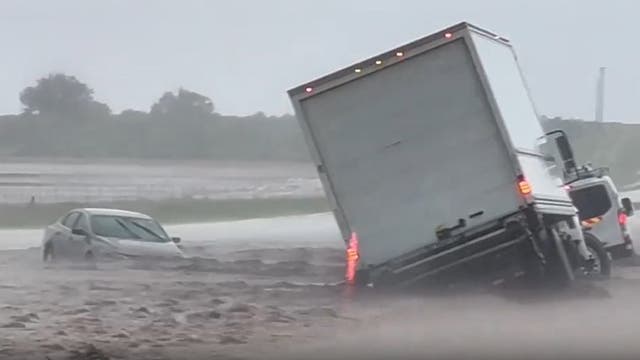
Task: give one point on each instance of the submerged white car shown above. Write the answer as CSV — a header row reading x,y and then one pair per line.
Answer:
x,y
92,233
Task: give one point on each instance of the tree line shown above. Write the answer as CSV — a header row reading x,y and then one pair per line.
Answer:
x,y
61,118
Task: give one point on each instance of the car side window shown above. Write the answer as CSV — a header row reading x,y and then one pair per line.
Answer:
x,y
70,220
82,223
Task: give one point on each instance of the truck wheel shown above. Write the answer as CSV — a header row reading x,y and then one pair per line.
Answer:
x,y
601,264
533,264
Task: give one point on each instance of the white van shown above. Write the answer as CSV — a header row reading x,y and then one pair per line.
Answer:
x,y
601,209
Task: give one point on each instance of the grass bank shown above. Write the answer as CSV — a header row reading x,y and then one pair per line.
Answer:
x,y
168,211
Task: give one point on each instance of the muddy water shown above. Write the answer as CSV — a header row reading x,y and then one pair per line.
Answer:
x,y
239,300
142,310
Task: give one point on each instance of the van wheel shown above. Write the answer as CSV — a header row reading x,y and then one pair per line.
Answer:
x,y
600,266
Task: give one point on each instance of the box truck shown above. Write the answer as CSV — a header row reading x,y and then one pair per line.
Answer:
x,y
430,157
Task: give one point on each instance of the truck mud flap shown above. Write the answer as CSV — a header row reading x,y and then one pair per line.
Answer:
x,y
435,263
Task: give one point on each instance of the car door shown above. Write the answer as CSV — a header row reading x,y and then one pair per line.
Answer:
x,y
78,243
62,237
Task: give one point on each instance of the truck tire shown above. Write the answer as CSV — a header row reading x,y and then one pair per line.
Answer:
x,y
532,264
602,264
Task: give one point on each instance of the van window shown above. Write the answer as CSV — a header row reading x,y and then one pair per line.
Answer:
x,y
591,201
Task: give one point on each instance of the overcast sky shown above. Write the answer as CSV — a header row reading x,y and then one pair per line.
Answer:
x,y
245,54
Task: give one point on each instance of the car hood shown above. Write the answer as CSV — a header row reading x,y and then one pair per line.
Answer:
x,y
132,247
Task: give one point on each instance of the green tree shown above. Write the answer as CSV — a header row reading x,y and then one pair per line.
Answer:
x,y
183,103
62,118
133,115
182,125
62,95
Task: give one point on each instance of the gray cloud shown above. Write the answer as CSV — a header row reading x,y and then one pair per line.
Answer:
x,y
246,54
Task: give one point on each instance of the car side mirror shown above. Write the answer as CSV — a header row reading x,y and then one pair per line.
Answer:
x,y
628,206
79,232
176,240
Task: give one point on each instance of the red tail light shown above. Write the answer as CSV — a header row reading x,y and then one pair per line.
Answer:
x,y
622,218
523,186
353,256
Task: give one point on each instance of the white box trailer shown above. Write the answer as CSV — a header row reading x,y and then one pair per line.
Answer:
x,y
430,154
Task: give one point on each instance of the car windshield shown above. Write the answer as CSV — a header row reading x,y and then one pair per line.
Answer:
x,y
122,227
591,201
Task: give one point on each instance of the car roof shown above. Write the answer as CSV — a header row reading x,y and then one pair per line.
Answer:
x,y
588,182
114,212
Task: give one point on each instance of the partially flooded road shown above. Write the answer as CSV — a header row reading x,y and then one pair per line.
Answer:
x,y
259,291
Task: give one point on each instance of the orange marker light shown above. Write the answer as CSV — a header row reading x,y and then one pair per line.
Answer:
x,y
524,187
588,223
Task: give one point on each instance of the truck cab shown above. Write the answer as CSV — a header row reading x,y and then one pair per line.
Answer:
x,y
601,210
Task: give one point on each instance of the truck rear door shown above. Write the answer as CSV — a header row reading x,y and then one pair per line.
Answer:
x,y
408,144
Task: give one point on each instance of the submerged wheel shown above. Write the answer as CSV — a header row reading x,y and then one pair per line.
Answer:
x,y
546,261
47,253
560,271
90,260
601,264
